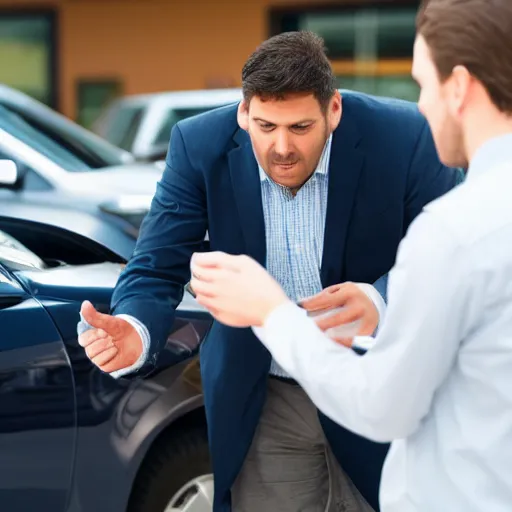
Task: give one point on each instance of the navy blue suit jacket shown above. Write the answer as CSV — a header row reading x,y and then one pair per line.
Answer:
x,y
383,170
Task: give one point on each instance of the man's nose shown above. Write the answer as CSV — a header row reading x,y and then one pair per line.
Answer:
x,y
282,143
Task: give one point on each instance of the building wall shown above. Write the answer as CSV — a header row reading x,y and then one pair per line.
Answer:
x,y
153,45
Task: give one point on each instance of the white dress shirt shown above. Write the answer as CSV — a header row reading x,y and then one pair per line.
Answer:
x,y
438,380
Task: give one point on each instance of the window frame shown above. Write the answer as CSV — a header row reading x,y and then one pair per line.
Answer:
x,y
283,18
277,15
51,16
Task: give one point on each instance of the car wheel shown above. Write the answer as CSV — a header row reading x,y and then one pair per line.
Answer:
x,y
176,477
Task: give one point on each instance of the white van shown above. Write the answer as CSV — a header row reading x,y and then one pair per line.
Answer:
x,y
141,124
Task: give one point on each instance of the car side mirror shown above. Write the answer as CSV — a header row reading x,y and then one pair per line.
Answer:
x,y
9,174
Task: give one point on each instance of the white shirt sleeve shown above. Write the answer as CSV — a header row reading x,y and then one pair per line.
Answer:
x,y
384,394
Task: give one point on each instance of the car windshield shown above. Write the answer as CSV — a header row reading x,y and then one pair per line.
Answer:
x,y
78,146
15,125
15,255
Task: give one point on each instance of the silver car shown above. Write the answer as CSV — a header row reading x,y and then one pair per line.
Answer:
x,y
61,164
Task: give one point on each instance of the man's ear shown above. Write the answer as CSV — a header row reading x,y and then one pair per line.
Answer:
x,y
460,88
243,115
335,111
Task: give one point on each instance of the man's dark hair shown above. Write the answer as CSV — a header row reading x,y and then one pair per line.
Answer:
x,y
289,63
475,34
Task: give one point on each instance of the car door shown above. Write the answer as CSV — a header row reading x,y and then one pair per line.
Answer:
x,y
37,405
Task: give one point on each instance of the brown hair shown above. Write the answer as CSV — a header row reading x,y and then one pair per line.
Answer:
x,y
475,34
292,62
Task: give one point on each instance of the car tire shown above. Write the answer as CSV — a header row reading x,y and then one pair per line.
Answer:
x,y
176,460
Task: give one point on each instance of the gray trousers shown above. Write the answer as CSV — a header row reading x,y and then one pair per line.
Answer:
x,y
290,466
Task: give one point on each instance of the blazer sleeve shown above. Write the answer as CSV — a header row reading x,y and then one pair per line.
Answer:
x,y
152,284
427,178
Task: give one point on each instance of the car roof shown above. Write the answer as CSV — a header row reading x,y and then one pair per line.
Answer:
x,y
177,99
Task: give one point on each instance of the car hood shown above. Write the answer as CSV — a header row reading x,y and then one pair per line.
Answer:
x,y
94,282
139,179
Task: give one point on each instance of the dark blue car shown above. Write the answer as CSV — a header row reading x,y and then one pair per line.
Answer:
x,y
71,437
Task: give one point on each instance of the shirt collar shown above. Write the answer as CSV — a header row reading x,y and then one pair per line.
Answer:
x,y
491,154
323,163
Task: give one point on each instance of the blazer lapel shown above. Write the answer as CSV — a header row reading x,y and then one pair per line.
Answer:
x,y
345,165
246,183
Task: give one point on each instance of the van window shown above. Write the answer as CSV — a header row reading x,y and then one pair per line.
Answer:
x,y
172,117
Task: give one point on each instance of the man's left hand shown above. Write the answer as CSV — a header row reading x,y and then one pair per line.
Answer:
x,y
357,306
236,290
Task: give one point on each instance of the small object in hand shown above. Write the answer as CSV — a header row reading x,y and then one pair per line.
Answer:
x,y
189,289
348,330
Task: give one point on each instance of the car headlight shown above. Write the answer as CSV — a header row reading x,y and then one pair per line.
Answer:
x,y
131,208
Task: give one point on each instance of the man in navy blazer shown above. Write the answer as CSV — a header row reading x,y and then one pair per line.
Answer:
x,y
320,189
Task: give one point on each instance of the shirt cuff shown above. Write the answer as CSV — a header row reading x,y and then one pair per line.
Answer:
x,y
377,300
143,332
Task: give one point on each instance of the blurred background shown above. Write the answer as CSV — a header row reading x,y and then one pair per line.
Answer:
x,y
78,56
89,92
97,85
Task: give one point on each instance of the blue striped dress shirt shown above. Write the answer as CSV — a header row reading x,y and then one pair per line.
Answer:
x,y
294,227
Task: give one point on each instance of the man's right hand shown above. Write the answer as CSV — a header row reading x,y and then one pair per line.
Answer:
x,y
113,343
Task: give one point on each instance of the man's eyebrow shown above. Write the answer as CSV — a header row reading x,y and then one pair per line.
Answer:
x,y
261,120
302,121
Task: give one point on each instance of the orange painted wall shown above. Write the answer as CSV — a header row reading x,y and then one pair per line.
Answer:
x,y
154,45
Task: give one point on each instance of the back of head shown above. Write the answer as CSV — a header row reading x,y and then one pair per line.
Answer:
x,y
475,34
289,63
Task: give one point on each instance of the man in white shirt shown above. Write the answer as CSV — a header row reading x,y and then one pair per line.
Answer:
x,y
438,380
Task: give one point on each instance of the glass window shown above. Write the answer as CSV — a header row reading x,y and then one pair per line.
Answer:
x,y
93,97
364,33
121,124
130,129
394,86
18,127
26,54
172,117
95,151
370,47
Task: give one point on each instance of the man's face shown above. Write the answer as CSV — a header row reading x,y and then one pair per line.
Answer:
x,y
289,135
438,104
